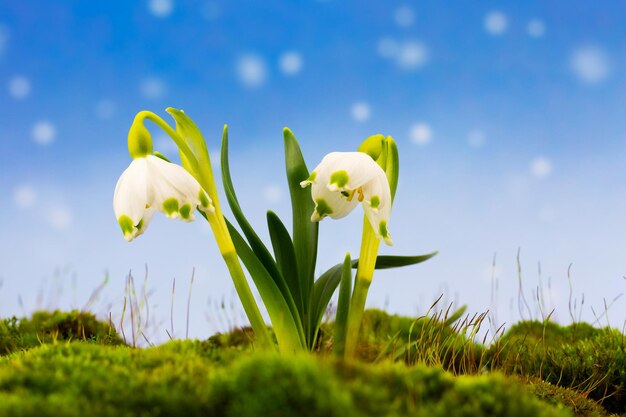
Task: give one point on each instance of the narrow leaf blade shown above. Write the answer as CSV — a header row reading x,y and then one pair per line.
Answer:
x,y
289,334
256,244
285,258
305,231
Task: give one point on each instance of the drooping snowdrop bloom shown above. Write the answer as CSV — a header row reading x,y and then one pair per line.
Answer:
x,y
343,180
152,184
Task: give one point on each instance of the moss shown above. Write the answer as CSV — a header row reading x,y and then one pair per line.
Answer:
x,y
426,340
50,327
69,379
579,403
590,360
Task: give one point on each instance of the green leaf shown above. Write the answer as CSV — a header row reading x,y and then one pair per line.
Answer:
x,y
343,308
390,261
189,132
304,230
322,292
256,244
286,258
288,333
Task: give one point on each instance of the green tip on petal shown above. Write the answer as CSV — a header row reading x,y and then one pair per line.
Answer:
x,y
185,212
171,207
375,202
384,233
322,209
309,180
127,225
339,179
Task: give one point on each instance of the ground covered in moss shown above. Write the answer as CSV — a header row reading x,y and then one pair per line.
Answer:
x,y
70,364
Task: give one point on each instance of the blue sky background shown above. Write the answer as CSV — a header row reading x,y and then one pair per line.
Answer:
x,y
509,117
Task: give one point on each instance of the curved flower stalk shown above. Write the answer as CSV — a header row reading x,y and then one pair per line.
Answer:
x,y
343,180
152,184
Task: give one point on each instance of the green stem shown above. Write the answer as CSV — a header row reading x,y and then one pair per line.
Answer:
x,y
364,274
248,301
204,175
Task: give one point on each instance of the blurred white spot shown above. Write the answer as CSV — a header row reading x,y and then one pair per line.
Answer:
x,y
412,55
24,196
251,70
272,194
360,111
421,133
290,63
4,37
495,23
105,109
60,217
161,8
590,64
404,16
476,138
211,10
407,55
43,132
388,48
540,167
536,28
19,87
152,88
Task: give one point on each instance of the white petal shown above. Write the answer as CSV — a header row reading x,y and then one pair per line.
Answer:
x,y
353,169
171,181
330,203
377,206
130,195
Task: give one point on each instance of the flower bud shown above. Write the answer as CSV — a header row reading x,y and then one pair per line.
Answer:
x,y
139,140
373,146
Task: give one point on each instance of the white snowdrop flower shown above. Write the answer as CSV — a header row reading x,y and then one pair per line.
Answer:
x,y
151,184
343,180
